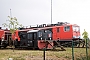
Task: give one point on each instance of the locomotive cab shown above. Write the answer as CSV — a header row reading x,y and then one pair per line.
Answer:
x,y
32,38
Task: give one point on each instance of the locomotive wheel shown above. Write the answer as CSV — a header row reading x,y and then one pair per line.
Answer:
x,y
5,46
78,45
16,46
81,44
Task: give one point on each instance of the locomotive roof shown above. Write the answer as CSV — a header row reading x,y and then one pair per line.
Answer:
x,y
40,28
32,31
25,30
43,28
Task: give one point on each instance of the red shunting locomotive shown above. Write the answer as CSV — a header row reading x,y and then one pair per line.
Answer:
x,y
63,33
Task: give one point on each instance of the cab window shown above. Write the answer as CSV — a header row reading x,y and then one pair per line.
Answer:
x,y
29,36
76,28
50,35
67,28
22,35
39,34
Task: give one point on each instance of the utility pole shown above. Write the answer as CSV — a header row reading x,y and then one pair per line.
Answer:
x,y
10,13
51,11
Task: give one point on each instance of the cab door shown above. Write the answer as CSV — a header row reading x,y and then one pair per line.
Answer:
x,y
58,33
35,39
30,41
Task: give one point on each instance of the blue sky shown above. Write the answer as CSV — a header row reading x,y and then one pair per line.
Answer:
x,y
32,12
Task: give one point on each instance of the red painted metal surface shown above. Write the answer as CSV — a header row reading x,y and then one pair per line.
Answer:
x,y
1,34
42,44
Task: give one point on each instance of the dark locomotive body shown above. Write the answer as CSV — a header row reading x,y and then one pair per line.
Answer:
x,y
33,38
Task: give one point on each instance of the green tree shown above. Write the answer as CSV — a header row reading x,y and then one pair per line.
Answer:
x,y
85,36
12,24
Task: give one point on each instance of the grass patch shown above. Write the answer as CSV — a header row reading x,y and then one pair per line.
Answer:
x,y
23,54
83,58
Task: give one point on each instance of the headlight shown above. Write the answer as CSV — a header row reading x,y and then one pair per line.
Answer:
x,y
41,38
2,38
76,37
50,38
